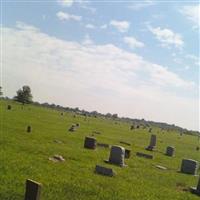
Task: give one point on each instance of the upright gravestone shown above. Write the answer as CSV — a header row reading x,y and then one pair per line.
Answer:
x,y
170,151
90,143
196,190
117,155
33,190
152,144
189,166
28,129
9,107
127,153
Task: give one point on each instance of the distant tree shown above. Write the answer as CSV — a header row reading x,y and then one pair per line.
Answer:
x,y
115,116
24,95
108,115
1,93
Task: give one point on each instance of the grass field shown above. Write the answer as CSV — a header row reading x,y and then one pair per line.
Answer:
x,y
25,155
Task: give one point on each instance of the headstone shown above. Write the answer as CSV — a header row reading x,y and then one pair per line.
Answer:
x,y
132,127
127,153
103,145
196,190
197,148
170,151
28,129
57,158
61,113
33,190
122,142
72,128
104,171
77,124
189,166
144,155
117,154
152,144
90,143
9,107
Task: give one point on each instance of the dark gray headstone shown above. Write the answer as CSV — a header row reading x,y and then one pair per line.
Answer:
x,y
28,129
72,128
189,166
104,171
9,107
90,143
117,154
33,190
196,190
127,153
144,155
170,151
152,144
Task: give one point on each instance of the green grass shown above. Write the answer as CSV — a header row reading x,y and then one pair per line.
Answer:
x,y
25,155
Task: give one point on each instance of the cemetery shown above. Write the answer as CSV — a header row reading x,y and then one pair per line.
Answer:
x,y
42,160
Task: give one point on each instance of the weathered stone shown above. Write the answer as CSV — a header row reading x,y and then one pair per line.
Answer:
x,y
104,171
57,158
152,144
117,154
122,142
90,143
170,151
103,145
97,132
196,190
132,127
127,153
77,125
197,148
72,128
33,190
189,166
9,107
144,155
161,167
28,129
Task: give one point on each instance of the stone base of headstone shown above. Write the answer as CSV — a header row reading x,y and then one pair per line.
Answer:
x,y
144,155
150,148
194,190
33,190
104,171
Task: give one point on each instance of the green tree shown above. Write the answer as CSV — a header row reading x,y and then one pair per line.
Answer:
x,y
24,95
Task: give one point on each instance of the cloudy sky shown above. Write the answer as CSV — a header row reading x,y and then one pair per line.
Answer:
x,y
136,58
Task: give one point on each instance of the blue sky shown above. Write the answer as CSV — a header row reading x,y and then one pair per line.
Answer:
x,y
108,56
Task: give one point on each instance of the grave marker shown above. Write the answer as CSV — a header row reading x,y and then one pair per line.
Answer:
x,y
152,144
33,190
170,151
104,171
90,143
144,155
189,166
196,190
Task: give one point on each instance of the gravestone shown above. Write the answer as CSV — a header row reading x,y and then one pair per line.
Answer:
x,y
197,148
117,154
33,190
72,128
196,190
189,166
9,107
104,171
90,143
103,145
144,155
152,144
170,151
127,153
77,125
28,129
132,127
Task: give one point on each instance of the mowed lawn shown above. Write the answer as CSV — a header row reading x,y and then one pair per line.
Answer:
x,y
25,155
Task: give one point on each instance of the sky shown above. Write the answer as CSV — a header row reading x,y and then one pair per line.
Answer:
x,y
139,59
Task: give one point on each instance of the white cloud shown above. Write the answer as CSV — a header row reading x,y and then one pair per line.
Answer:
x,y
140,5
95,77
63,16
90,26
87,40
104,26
167,37
121,26
192,13
66,3
133,43
194,58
